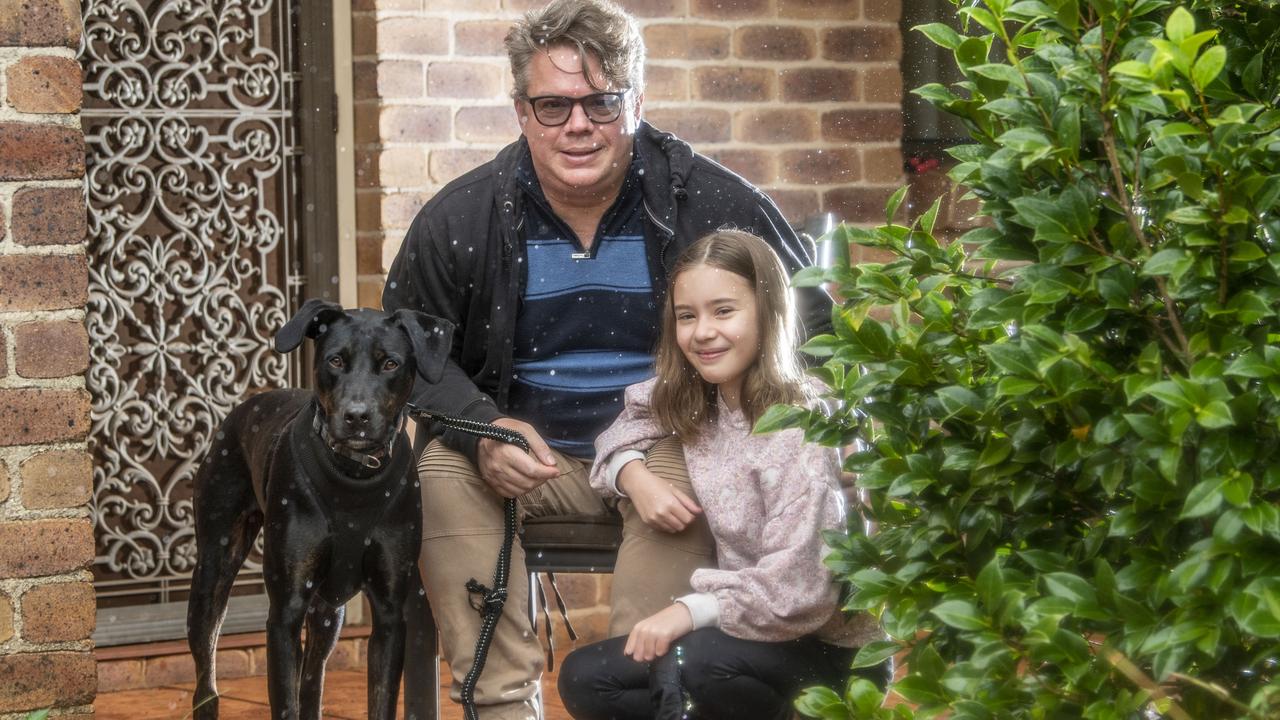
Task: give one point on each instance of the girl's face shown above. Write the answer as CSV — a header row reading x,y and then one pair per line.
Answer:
x,y
717,326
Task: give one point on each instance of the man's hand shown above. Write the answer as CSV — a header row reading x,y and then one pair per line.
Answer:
x,y
652,637
660,505
510,471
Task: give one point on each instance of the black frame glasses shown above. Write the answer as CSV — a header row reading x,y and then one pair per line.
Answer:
x,y
600,108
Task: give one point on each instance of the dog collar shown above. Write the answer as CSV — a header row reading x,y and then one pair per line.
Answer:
x,y
374,461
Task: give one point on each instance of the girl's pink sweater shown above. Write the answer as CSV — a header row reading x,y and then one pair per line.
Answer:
x,y
767,499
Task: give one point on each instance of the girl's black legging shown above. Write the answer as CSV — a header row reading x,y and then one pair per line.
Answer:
x,y
723,676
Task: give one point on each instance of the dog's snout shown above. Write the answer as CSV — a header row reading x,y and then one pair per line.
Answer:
x,y
356,416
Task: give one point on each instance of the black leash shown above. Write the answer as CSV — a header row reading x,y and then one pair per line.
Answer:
x,y
491,599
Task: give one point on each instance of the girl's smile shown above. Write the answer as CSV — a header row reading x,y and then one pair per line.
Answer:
x,y
717,327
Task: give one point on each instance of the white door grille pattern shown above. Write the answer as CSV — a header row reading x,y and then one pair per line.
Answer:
x,y
191,184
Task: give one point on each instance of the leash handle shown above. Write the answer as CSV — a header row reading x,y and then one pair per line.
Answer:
x,y
492,599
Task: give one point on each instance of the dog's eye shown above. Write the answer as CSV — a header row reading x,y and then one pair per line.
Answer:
x,y
388,365
336,362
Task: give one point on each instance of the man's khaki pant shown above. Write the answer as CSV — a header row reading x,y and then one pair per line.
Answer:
x,y
461,534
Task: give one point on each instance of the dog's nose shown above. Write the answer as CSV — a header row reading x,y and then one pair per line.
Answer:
x,y
356,415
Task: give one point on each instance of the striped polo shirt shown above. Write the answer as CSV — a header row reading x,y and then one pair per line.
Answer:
x,y
587,322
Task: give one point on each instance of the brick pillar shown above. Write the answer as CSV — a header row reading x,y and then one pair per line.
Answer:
x,y
47,605
801,97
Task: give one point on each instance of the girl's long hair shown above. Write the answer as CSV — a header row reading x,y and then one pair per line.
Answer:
x,y
683,403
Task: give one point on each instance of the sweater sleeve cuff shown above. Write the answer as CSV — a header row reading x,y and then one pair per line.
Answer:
x,y
616,461
703,608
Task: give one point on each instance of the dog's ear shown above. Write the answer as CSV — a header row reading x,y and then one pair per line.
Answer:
x,y
431,338
309,321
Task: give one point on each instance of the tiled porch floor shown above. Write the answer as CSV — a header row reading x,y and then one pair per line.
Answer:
x,y
246,699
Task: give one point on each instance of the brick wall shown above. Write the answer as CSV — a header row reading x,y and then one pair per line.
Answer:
x,y
47,606
801,97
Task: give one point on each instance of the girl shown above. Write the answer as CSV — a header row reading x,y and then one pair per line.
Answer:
x,y
751,633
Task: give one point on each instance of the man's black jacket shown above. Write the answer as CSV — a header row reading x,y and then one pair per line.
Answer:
x,y
463,260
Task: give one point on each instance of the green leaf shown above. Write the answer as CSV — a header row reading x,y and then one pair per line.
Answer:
x,y
1208,66
1216,414
1170,393
1180,26
821,702
959,614
1203,499
1170,261
1069,586
891,207
929,216
874,653
779,417
941,34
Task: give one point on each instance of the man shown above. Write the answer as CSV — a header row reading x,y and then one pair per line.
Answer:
x,y
551,260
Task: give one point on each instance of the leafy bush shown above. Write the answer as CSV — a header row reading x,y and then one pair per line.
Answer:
x,y
1071,418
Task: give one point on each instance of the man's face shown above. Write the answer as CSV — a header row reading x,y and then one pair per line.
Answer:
x,y
579,157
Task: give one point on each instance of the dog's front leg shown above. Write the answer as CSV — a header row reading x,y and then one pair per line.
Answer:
x,y
386,653
284,655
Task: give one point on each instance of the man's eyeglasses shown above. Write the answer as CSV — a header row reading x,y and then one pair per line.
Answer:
x,y
600,108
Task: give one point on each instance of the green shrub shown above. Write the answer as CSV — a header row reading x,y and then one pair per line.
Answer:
x,y
1071,418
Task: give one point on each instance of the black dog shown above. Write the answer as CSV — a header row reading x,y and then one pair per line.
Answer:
x,y
327,475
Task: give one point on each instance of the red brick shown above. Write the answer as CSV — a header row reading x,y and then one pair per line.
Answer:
x,y
368,211
882,84
49,216
369,255
369,293
686,42
45,547
830,166
663,82
463,80
862,43
116,675
57,479
6,617
819,85
25,680
415,124
495,123
31,416
824,9
367,169
859,125
40,152
45,85
233,663
774,42
169,670
652,8
447,164
857,204
728,9
757,166
776,125
882,10
58,612
796,205
733,84
51,349
400,79
693,124
400,208
364,34
402,167
366,122
480,37
43,282
346,655
882,164
40,23
413,36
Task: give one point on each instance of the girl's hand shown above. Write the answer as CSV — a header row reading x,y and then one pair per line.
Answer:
x,y
652,637
660,505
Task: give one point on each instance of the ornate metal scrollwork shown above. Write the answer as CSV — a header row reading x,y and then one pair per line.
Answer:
x,y
190,180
